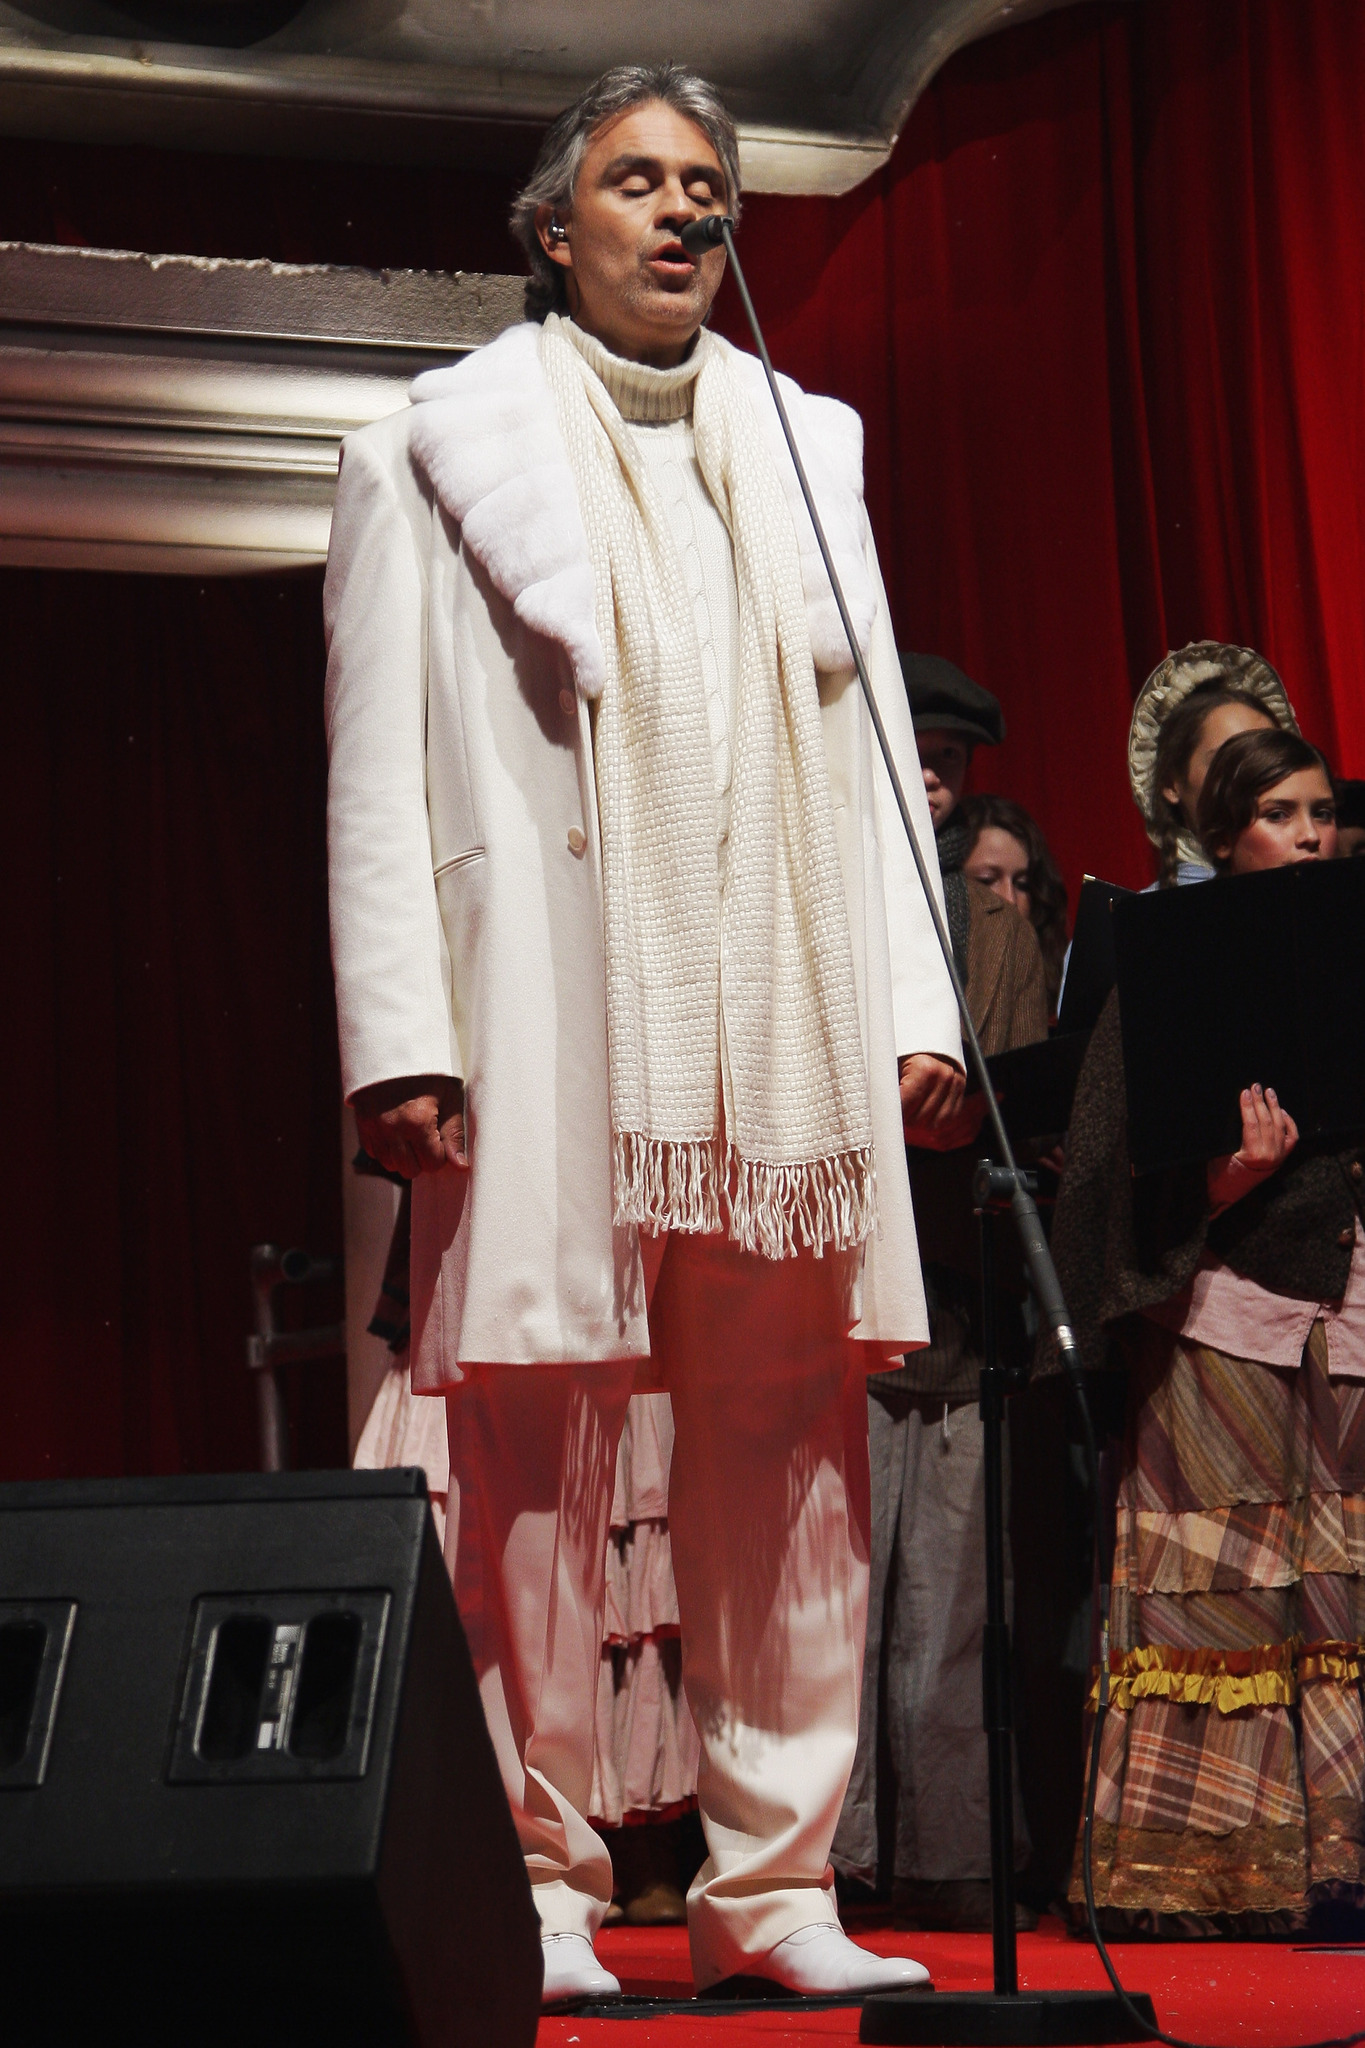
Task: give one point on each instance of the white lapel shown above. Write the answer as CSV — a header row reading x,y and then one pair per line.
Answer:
x,y
487,435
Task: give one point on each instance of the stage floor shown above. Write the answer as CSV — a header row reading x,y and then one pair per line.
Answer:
x,y
1243,1994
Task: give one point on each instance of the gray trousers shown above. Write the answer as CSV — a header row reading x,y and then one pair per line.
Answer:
x,y
921,1691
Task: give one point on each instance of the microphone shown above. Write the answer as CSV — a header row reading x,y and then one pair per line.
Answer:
x,y
706,233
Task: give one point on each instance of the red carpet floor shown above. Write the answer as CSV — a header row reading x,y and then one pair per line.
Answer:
x,y
1263,1995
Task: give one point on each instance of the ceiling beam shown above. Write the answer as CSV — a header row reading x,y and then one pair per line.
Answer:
x,y
821,88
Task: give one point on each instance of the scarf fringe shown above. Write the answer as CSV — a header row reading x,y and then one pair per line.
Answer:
x,y
665,1184
825,1202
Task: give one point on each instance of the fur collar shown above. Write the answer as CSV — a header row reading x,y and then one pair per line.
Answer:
x,y
486,434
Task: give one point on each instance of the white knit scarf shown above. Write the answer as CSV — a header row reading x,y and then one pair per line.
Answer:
x,y
738,1087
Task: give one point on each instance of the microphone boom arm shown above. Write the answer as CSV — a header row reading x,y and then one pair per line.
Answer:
x,y
711,231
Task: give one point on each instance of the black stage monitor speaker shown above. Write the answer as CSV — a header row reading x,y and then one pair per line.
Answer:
x,y
246,1790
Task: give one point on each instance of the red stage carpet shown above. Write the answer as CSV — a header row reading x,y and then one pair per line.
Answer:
x,y
1263,1995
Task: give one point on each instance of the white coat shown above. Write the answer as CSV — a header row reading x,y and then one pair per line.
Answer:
x,y
464,872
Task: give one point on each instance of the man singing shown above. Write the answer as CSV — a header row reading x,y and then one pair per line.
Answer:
x,y
629,948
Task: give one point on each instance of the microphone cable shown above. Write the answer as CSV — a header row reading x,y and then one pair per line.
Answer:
x,y
716,230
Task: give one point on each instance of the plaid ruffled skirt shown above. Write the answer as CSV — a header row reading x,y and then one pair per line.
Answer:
x,y
1232,1766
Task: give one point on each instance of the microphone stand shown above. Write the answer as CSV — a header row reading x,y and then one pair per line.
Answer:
x,y
1004,2016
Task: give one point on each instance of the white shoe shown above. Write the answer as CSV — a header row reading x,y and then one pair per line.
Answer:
x,y
572,1971
821,1961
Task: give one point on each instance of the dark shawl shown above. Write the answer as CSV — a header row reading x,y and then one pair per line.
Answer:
x,y
1122,1244
1007,998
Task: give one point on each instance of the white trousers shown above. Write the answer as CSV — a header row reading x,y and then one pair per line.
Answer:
x,y
768,1520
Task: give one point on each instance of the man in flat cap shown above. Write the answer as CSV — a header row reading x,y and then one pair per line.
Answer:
x,y
925,1618
953,716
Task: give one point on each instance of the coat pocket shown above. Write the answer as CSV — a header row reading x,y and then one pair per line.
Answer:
x,y
461,890
458,860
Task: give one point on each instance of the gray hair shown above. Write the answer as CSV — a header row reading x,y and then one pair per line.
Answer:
x,y
552,181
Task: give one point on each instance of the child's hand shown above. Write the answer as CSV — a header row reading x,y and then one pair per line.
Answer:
x,y
1269,1135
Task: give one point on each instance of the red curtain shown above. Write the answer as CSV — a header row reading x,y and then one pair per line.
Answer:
x,y
172,1083
1102,317
170,1072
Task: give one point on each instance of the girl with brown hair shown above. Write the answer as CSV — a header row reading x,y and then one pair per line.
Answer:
x,y
1009,854
1232,1767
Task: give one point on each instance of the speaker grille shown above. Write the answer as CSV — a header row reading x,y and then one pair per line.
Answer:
x,y
278,1687
35,1638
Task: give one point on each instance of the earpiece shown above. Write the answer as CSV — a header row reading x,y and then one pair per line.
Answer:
x,y
557,231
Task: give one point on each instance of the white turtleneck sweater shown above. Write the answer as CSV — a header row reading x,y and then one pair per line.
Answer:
x,y
657,407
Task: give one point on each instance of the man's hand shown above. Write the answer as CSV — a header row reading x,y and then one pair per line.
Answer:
x,y
932,1090
1269,1135
413,1125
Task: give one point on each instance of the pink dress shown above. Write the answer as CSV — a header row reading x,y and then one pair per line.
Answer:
x,y
647,1752
645,1767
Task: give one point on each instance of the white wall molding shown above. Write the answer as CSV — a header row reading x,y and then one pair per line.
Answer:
x,y
177,415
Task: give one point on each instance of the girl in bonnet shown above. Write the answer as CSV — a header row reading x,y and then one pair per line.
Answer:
x,y
1197,698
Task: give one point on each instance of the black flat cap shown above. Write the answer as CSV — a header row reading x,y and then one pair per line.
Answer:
x,y
942,699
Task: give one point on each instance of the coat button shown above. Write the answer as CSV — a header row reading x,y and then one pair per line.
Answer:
x,y
1345,1237
568,703
1357,1171
577,841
